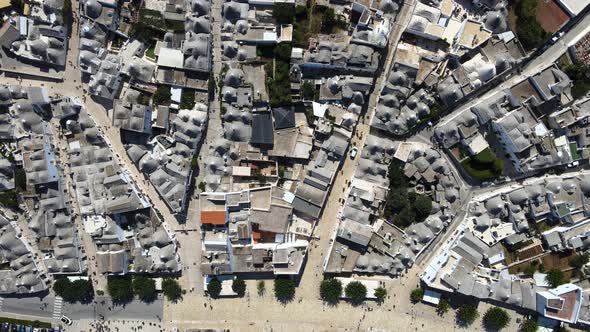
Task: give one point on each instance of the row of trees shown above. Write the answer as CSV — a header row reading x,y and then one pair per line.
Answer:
x,y
74,291
356,292
238,286
494,319
284,290
124,289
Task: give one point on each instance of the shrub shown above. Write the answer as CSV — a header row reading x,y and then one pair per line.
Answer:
x,y
356,292
239,286
145,288
416,295
171,289
466,315
284,290
496,319
331,290
214,288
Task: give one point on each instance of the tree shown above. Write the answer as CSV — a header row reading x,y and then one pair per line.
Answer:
x,y
239,286
579,261
145,288
356,292
120,289
77,291
528,29
282,52
405,217
329,20
202,186
416,295
214,288
187,99
308,91
67,14
20,179
380,294
529,325
555,278
331,290
162,95
421,204
261,287
283,12
9,199
284,290
443,307
496,319
466,315
171,289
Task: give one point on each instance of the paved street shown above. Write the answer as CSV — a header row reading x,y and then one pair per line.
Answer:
x,y
28,306
104,309
546,59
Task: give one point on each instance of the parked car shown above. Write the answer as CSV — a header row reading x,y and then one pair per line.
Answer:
x,y
353,152
66,320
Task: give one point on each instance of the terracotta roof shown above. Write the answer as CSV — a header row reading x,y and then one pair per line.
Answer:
x,y
213,217
551,16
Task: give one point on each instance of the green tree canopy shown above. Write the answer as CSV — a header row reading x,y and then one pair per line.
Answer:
x,y
422,205
416,295
214,288
555,278
162,95
466,315
120,289
356,292
74,291
496,319
239,286
284,289
144,287
171,289
579,261
380,294
284,13
443,307
331,290
529,325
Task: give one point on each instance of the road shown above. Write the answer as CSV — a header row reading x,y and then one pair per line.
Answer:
x,y
546,59
104,309
28,306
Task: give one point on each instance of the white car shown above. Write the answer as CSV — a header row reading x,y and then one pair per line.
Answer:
x,y
353,152
66,320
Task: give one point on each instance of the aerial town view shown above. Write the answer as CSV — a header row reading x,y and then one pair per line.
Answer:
x,y
294,165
